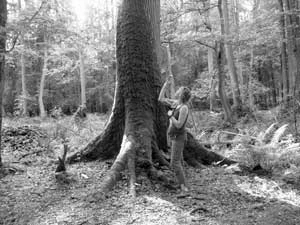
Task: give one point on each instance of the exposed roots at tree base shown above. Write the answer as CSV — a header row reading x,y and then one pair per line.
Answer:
x,y
126,155
104,146
194,154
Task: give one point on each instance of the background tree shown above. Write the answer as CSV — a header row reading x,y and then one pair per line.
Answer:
x,y
42,82
3,19
225,31
82,78
284,66
221,64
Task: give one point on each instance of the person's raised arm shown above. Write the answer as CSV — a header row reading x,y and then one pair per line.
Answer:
x,y
162,93
172,86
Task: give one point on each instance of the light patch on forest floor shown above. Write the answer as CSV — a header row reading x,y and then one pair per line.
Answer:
x,y
269,189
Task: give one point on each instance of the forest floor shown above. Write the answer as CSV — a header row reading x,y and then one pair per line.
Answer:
x,y
30,193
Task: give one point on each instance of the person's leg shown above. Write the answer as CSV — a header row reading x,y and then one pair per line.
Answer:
x,y
176,156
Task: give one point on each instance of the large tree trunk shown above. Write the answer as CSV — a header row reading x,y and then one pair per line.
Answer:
x,y
229,55
3,19
42,83
135,132
152,9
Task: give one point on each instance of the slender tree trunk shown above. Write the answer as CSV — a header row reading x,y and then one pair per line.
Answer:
x,y
3,19
229,55
212,92
221,71
293,28
42,83
82,80
11,97
250,86
291,45
236,14
272,82
24,89
213,82
221,75
23,68
210,58
284,66
250,80
113,13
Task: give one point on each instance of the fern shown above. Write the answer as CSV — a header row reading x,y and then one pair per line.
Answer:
x,y
274,150
278,134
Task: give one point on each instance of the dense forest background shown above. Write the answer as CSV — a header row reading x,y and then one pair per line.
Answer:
x,y
60,59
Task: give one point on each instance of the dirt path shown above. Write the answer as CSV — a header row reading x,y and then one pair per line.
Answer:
x,y
217,197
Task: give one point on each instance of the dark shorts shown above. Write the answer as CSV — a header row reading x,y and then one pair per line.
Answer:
x,y
178,137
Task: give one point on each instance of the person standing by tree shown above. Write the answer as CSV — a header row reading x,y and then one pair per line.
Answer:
x,y
178,116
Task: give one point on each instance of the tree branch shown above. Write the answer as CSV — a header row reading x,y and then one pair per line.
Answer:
x,y
205,44
29,21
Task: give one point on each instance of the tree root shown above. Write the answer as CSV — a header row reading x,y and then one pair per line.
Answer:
x,y
118,166
195,154
131,169
104,146
158,156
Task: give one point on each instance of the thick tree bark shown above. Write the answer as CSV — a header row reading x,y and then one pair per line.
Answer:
x,y
42,83
152,9
136,132
3,19
229,56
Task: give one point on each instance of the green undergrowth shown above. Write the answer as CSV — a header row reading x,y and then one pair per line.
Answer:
x,y
261,141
